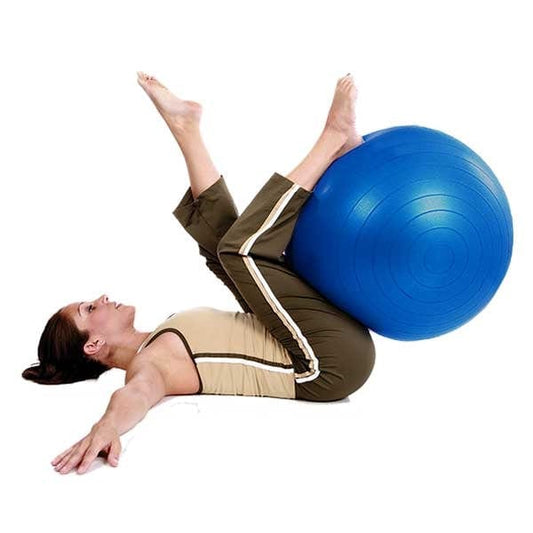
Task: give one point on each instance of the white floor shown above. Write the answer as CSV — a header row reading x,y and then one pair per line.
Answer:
x,y
438,440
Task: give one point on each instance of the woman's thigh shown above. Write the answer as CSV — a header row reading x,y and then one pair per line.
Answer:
x,y
333,354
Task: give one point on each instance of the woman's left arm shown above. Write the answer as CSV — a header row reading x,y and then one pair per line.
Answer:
x,y
127,407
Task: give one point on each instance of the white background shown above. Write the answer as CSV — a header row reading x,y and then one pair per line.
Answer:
x,y
439,437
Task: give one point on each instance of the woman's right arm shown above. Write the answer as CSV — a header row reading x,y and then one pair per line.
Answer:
x,y
145,386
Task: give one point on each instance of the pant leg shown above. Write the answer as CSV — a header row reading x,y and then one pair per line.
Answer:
x,y
332,353
207,218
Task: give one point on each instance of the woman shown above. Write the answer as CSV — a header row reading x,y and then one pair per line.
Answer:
x,y
290,342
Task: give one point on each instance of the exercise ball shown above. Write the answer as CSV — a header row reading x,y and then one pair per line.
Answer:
x,y
410,233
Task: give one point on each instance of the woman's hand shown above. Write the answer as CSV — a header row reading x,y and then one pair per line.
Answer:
x,y
102,438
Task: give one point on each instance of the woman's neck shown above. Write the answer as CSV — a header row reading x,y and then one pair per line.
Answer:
x,y
122,355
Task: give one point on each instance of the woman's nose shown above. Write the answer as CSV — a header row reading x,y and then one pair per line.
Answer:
x,y
104,298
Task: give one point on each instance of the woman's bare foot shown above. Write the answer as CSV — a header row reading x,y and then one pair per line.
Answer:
x,y
179,114
341,115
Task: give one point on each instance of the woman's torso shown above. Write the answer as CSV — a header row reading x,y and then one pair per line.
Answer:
x,y
233,352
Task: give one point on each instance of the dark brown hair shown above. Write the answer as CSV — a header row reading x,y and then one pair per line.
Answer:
x,y
61,355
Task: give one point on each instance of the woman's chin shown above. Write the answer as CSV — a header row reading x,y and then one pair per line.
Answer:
x,y
128,309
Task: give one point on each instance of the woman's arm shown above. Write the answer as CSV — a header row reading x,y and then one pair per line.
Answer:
x,y
127,407
144,388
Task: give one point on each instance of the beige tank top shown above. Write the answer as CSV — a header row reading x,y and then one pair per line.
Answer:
x,y
233,352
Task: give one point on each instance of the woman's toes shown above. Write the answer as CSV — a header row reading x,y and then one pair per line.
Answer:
x,y
344,80
152,80
144,78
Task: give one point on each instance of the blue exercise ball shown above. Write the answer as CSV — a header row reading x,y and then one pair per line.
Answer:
x,y
410,233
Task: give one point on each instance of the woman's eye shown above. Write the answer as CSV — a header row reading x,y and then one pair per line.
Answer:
x,y
91,307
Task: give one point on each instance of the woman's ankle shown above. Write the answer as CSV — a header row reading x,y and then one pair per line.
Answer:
x,y
331,141
186,134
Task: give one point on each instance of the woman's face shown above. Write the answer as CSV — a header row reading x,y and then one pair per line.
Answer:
x,y
102,318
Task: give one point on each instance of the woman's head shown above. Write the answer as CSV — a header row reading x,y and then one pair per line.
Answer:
x,y
78,340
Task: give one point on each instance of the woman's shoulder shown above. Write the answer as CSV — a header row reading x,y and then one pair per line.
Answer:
x,y
170,356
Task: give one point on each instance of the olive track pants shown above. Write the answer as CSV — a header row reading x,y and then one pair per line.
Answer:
x,y
333,354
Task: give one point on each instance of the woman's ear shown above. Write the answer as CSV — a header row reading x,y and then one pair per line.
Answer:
x,y
93,347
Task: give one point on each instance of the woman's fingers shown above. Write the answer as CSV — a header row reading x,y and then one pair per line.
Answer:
x,y
102,438
59,457
61,463
63,454
114,452
62,458
71,460
90,456
65,460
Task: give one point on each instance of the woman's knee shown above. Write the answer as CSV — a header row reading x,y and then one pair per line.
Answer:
x,y
336,381
229,243
359,367
355,367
